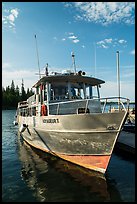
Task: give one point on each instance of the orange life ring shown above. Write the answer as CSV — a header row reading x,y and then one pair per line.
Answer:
x,y
43,110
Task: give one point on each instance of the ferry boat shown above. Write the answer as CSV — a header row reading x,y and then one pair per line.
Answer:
x,y
66,117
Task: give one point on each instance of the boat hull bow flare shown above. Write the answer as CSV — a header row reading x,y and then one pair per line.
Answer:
x,y
76,127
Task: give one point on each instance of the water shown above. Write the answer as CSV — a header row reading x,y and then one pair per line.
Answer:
x,y
29,175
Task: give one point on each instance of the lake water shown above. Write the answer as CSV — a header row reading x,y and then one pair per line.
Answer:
x,y
29,175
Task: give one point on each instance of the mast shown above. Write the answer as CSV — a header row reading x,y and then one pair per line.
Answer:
x,y
118,79
95,57
46,70
73,61
37,55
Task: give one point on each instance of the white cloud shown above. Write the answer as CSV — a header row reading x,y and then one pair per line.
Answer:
x,y
132,52
112,6
104,46
108,40
6,65
15,12
73,38
63,39
100,42
17,76
122,41
106,43
105,12
9,17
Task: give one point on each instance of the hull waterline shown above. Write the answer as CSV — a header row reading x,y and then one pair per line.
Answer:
x,y
93,162
89,149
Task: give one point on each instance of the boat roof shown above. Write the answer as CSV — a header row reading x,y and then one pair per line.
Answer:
x,y
69,78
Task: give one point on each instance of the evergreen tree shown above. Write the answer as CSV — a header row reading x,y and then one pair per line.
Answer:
x,y
11,95
23,93
29,93
12,89
17,95
7,89
17,91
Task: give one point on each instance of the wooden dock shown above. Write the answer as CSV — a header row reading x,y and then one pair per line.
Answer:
x,y
126,142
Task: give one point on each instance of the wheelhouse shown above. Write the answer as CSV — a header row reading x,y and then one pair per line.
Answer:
x,y
65,94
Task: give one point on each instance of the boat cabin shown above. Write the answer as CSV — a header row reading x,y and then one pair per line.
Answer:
x,y
65,93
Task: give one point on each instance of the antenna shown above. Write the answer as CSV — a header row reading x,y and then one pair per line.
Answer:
x,y
37,56
95,57
73,61
118,79
46,69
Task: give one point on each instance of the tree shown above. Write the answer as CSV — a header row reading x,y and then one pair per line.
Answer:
x,y
7,89
17,91
29,93
17,95
12,89
23,93
11,95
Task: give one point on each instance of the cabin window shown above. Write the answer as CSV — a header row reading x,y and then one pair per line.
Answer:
x,y
74,90
44,92
58,93
90,91
95,92
37,90
33,111
52,94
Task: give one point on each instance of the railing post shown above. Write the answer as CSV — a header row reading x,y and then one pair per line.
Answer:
x,y
104,106
118,80
86,106
128,104
58,109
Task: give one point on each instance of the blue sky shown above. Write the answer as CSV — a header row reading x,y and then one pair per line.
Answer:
x,y
94,31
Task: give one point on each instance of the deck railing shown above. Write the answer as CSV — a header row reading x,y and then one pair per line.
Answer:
x,y
75,106
89,106
118,103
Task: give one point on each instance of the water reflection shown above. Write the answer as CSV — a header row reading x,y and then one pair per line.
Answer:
x,y
55,180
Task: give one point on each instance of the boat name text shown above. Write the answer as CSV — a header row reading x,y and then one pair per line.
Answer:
x,y
52,120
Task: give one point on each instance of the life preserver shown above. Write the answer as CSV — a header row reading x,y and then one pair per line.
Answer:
x,y
43,110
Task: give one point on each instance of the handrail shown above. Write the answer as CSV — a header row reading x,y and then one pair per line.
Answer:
x,y
107,100
71,101
119,101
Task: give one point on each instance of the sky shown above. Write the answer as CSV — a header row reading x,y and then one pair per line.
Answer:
x,y
93,31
